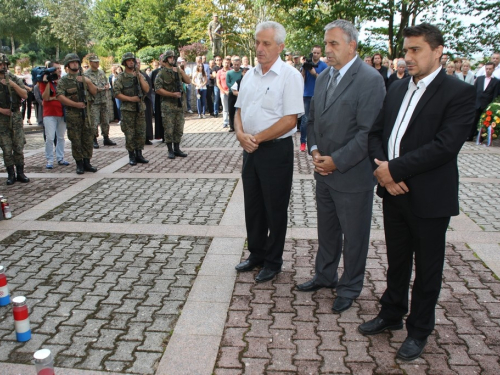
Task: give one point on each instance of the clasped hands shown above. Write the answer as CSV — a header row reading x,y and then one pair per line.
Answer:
x,y
248,142
385,179
324,165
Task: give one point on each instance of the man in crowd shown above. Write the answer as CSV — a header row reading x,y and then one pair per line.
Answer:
x,y
210,89
368,60
168,85
297,64
487,89
159,132
213,76
224,90
346,101
99,102
495,59
444,61
71,92
53,115
214,33
269,101
148,101
310,74
231,77
11,124
131,87
413,147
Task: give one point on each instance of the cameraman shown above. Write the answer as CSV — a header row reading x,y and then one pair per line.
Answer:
x,y
53,116
310,71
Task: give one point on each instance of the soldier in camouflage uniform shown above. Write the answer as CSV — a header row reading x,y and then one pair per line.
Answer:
x,y
11,124
168,85
99,102
130,87
72,94
215,35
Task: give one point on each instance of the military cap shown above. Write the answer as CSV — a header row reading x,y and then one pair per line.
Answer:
x,y
93,58
296,54
4,59
127,56
69,58
167,54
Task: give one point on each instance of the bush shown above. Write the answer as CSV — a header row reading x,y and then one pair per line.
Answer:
x,y
120,51
148,54
192,50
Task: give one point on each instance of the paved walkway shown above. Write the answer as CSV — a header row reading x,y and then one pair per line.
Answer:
x,y
130,270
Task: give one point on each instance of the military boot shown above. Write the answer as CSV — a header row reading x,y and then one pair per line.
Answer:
x,y
139,158
131,158
20,174
108,142
88,167
96,145
79,167
11,175
178,152
171,154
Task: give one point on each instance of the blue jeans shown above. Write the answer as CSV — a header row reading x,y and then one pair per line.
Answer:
x,y
201,103
303,119
118,105
216,100
54,126
188,97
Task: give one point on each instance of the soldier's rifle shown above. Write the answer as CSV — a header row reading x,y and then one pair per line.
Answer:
x,y
9,98
138,88
82,97
178,84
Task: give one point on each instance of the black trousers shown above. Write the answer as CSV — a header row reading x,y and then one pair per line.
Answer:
x,y
231,100
159,131
210,101
149,119
267,182
409,236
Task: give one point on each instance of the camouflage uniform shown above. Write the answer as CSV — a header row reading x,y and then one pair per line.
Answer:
x,y
214,30
171,113
11,137
99,102
133,123
80,132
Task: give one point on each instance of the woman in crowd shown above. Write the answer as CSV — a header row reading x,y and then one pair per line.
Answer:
x,y
450,69
388,64
400,73
117,70
28,84
466,75
200,84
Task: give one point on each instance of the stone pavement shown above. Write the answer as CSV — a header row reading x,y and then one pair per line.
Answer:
x,y
130,270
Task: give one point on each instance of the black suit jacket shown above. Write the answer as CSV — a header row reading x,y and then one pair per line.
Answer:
x,y
485,97
429,148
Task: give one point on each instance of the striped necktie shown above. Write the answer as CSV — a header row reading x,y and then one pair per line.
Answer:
x,y
332,86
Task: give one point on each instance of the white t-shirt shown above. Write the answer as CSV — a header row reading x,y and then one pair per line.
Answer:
x,y
265,99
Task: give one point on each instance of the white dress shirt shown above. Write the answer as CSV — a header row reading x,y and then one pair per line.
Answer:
x,y
264,99
410,101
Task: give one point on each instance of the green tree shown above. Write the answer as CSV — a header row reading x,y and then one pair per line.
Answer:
x,y
18,20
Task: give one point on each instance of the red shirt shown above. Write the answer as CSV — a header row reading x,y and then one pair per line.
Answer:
x,y
51,107
221,75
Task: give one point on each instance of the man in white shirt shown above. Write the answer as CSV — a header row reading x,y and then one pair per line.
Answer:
x,y
268,104
413,146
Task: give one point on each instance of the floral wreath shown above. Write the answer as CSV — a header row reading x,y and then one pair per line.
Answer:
x,y
489,123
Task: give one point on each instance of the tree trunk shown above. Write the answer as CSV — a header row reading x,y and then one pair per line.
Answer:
x,y
13,45
392,51
57,51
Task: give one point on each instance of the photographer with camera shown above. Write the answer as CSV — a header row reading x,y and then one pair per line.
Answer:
x,y
310,71
54,123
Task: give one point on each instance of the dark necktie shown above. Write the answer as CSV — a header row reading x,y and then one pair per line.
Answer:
x,y
332,86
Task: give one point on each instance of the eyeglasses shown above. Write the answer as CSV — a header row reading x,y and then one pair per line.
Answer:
x,y
85,66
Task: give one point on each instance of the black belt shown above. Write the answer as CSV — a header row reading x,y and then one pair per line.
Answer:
x,y
272,141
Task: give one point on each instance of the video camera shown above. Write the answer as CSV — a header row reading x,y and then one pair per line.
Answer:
x,y
308,65
38,72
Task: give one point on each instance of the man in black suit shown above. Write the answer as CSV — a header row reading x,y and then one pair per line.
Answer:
x,y
414,145
487,89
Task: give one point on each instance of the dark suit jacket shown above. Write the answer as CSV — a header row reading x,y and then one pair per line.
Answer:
x,y
340,129
437,130
485,97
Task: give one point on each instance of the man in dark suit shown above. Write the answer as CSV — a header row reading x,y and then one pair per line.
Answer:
x,y
487,89
414,146
347,99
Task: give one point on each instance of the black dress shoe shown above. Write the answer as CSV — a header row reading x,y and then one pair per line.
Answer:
x,y
266,274
341,304
411,349
378,325
309,286
247,265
